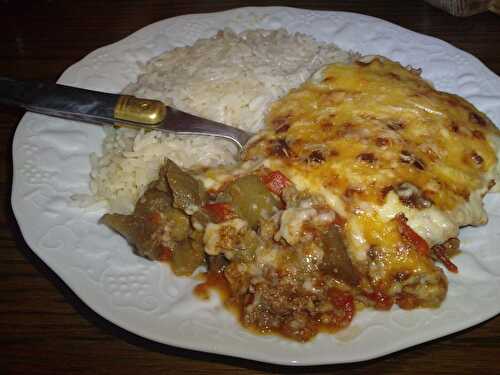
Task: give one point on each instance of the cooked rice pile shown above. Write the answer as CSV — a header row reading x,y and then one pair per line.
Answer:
x,y
230,78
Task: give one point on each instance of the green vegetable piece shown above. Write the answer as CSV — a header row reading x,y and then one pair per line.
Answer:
x,y
178,224
187,192
187,256
336,259
251,200
144,227
153,200
248,246
137,232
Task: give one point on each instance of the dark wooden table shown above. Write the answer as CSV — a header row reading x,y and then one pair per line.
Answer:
x,y
45,328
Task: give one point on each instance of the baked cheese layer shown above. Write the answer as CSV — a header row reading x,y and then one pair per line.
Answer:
x,y
377,141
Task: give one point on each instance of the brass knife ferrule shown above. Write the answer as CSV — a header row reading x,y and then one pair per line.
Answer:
x,y
144,111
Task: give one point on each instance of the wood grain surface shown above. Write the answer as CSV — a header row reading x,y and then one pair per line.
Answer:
x,y
46,329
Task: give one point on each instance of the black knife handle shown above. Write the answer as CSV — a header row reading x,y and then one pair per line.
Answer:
x,y
58,100
79,104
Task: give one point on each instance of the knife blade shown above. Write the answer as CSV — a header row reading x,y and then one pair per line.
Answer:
x,y
102,108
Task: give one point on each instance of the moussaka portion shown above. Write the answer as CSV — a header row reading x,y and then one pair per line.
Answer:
x,y
351,198
404,164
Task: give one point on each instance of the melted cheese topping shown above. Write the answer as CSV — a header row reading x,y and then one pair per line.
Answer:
x,y
354,133
432,224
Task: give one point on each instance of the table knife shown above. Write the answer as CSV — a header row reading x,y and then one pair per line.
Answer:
x,y
102,108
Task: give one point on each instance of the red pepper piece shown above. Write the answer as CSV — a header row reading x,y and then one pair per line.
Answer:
x,y
276,182
409,234
219,212
440,253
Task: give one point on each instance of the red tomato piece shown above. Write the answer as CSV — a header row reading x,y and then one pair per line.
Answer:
x,y
339,220
382,300
219,212
166,254
154,218
276,182
343,301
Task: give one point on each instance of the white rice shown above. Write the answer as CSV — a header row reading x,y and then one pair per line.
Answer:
x,y
230,78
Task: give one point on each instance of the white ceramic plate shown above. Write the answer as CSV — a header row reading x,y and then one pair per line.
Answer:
x,y
51,163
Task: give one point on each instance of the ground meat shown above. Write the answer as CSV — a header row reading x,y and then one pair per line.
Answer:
x,y
282,304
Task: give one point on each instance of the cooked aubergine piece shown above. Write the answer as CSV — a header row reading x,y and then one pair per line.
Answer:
x,y
336,259
251,199
153,200
247,247
156,225
188,193
143,233
178,225
144,227
217,263
186,257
